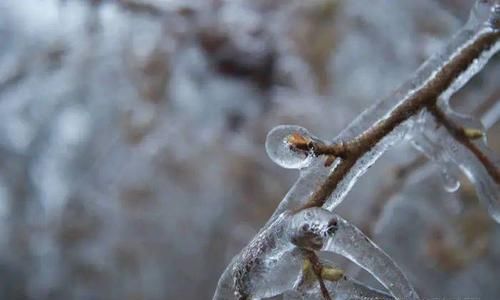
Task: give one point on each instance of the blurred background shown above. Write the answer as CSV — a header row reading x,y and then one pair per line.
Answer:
x,y
132,163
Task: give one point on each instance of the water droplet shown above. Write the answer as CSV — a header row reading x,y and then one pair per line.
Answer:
x,y
279,148
450,182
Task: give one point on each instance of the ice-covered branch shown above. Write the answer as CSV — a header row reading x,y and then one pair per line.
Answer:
x,y
303,223
387,122
486,111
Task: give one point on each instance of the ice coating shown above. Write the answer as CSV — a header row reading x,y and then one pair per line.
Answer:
x,y
487,12
434,151
489,118
448,170
279,149
487,188
310,178
317,228
343,289
479,27
272,262
225,286
351,243
267,266
309,228
482,28
433,147
364,162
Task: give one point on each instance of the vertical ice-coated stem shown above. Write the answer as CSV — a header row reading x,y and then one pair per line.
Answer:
x,y
351,243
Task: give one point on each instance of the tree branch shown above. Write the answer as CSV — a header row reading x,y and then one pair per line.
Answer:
x,y
456,64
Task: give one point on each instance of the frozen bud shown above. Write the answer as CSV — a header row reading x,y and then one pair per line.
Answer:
x,y
309,228
288,146
474,133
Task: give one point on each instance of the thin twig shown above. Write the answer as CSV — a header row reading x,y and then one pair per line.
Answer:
x,y
317,268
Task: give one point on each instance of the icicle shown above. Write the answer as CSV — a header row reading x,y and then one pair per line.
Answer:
x,y
486,187
433,150
473,128
279,146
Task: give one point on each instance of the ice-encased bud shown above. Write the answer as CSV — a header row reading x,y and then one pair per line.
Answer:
x,y
309,228
280,148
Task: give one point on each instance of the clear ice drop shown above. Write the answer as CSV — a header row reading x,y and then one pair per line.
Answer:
x,y
280,150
